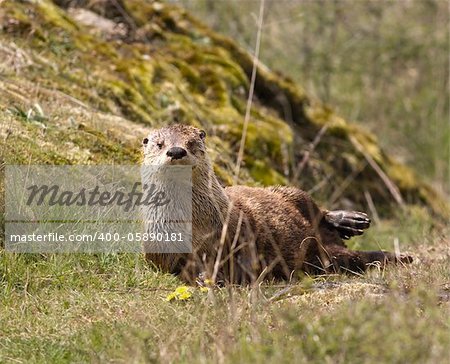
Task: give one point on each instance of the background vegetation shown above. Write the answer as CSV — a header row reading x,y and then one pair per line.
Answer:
x,y
384,64
84,85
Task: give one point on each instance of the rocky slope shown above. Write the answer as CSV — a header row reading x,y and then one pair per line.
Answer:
x,y
81,82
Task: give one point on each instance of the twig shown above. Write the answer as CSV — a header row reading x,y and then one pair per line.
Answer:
x,y
371,206
243,137
308,153
345,183
393,189
250,93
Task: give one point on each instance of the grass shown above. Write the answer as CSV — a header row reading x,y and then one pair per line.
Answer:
x,y
69,97
67,308
113,308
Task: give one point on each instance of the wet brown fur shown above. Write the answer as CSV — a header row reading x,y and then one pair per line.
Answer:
x,y
269,232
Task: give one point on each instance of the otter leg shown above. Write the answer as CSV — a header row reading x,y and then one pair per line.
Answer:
x,y
345,260
347,223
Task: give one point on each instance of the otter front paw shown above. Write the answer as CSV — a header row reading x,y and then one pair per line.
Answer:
x,y
348,223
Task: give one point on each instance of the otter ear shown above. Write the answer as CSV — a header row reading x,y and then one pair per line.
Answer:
x,y
145,141
202,134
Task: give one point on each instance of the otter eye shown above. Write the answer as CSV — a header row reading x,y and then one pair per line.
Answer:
x,y
159,145
145,141
202,134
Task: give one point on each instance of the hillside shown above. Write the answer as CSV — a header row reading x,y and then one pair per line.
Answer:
x,y
83,85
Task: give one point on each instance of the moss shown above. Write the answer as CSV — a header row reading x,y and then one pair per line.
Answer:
x,y
229,71
32,145
369,143
272,89
104,149
190,75
130,101
264,175
36,154
25,147
437,204
52,14
94,50
216,88
171,68
268,138
223,175
403,176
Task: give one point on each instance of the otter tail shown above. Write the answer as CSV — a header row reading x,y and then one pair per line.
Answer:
x,y
343,260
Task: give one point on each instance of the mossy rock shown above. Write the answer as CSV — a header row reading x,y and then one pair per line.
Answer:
x,y
103,89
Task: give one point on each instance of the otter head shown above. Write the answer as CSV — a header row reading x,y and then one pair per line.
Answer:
x,y
175,145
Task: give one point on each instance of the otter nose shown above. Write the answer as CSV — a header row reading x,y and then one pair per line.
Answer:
x,y
176,153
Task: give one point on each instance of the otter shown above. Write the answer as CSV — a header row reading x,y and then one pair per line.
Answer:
x,y
245,234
